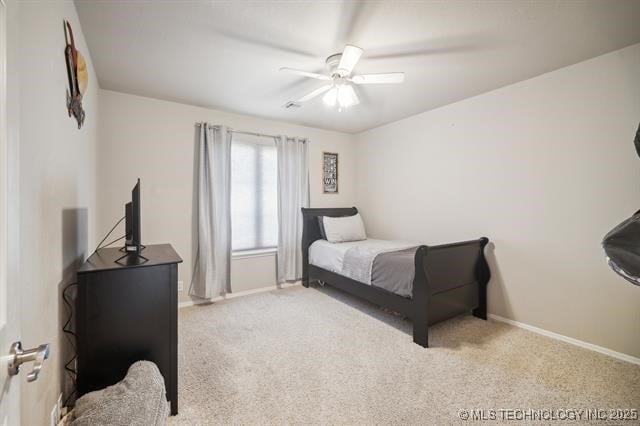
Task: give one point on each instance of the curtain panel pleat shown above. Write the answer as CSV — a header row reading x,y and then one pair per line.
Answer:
x,y
212,266
293,194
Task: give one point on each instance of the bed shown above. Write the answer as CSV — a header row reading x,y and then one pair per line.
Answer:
x,y
447,280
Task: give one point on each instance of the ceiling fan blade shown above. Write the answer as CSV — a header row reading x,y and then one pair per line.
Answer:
x,y
253,42
385,78
315,93
306,74
354,17
350,57
433,46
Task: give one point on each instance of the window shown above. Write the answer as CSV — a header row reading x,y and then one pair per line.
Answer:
x,y
254,193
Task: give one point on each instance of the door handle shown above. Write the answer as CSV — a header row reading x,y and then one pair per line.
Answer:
x,y
20,356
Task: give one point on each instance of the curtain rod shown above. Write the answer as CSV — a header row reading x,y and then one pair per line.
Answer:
x,y
248,133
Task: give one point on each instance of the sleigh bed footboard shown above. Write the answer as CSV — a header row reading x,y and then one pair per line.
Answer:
x,y
450,279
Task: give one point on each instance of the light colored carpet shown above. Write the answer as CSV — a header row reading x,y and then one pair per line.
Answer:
x,y
318,356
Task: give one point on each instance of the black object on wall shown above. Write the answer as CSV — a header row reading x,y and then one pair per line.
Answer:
x,y
622,243
637,140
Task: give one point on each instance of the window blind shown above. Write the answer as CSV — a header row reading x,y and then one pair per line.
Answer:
x,y
254,193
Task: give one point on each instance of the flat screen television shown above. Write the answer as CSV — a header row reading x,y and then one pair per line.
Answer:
x,y
133,241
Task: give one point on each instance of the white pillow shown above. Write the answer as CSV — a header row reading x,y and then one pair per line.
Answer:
x,y
342,229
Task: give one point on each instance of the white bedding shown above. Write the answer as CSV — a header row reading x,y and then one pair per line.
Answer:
x,y
343,229
330,256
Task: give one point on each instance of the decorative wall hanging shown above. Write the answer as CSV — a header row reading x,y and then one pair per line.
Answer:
x,y
329,172
77,74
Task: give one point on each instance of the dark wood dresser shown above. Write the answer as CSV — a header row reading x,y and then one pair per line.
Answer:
x,y
127,312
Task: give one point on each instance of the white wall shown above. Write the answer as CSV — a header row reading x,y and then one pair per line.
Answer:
x,y
155,140
57,164
10,330
544,168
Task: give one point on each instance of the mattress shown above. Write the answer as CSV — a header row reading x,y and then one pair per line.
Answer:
x,y
392,268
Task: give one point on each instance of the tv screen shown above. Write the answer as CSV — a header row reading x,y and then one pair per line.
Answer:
x,y
132,225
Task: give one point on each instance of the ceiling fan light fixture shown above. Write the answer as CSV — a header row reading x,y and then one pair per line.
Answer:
x,y
330,98
341,94
347,96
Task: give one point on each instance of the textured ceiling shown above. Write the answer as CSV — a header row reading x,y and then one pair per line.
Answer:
x,y
227,54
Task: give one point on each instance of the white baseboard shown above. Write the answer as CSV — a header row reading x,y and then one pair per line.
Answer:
x,y
238,294
571,340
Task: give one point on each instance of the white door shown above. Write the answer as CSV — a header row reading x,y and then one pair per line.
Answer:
x,y
9,289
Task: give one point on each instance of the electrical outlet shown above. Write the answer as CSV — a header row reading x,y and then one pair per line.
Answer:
x,y
180,285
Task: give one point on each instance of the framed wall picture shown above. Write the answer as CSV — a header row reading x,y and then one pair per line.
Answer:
x,y
330,172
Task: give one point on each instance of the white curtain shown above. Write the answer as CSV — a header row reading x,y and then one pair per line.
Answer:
x,y
212,267
293,194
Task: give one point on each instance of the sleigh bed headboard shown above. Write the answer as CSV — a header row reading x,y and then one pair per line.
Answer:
x,y
311,230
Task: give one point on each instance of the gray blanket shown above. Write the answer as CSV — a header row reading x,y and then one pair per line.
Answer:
x,y
138,399
382,263
395,271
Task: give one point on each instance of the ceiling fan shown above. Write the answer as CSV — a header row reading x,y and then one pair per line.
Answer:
x,y
339,88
